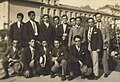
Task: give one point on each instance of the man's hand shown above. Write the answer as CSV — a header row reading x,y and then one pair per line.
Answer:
x,y
31,63
98,50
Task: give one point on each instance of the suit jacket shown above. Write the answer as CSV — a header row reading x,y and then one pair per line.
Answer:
x,y
96,41
82,55
61,32
60,53
76,31
26,57
17,33
47,33
28,32
105,33
10,53
48,52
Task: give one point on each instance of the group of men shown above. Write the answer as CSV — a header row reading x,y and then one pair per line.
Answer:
x,y
59,48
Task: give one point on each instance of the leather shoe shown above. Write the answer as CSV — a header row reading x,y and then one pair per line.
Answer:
x,y
63,78
70,78
83,77
5,76
105,75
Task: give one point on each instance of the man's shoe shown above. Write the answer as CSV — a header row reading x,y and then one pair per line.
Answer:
x,y
5,76
96,78
63,78
105,75
83,77
70,78
52,75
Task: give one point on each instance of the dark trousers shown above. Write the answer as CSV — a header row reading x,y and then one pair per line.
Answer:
x,y
5,64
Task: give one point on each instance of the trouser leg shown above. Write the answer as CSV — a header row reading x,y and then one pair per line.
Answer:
x,y
64,66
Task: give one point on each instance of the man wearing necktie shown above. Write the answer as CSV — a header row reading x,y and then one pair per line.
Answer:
x,y
16,30
31,29
30,60
78,56
10,57
94,42
104,28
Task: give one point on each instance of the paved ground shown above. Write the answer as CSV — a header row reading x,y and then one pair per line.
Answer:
x,y
113,77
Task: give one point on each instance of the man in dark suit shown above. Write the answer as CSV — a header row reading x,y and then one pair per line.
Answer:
x,y
30,60
31,29
16,30
78,56
47,30
10,56
56,21
45,57
63,30
104,28
94,44
59,57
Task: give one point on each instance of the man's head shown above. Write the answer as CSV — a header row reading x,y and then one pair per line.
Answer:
x,y
44,43
46,18
32,42
64,19
56,43
20,17
72,21
31,15
78,21
14,43
90,22
98,17
56,20
77,40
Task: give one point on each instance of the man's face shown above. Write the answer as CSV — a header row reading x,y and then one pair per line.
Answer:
x,y
44,43
45,19
15,43
32,16
20,18
78,21
56,44
56,21
98,17
90,22
72,22
77,41
64,19
32,43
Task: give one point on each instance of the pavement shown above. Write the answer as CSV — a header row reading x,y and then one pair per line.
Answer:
x,y
113,77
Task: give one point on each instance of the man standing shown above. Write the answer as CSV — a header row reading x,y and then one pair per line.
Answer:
x,y
16,30
47,30
76,30
104,28
59,57
64,30
56,21
94,42
31,29
30,59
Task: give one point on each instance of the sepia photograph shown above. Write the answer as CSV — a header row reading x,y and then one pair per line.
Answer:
x,y
59,40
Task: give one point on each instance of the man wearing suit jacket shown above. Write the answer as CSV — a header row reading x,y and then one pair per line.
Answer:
x,y
63,30
95,43
47,30
30,60
104,27
45,57
78,56
76,30
31,29
16,30
10,56
59,57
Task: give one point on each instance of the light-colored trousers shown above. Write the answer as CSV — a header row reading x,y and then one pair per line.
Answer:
x,y
95,60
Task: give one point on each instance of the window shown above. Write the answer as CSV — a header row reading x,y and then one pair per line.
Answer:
x,y
42,10
54,12
71,14
60,14
48,1
48,11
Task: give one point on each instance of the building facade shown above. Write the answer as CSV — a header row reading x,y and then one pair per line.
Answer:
x,y
10,8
